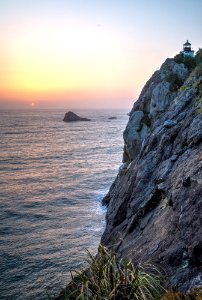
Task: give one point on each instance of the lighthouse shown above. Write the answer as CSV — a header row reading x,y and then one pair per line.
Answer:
x,y
187,51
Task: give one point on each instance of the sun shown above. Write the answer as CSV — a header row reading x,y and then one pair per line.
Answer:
x,y
32,104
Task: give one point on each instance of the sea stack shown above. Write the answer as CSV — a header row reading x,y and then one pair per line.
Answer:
x,y
112,118
72,117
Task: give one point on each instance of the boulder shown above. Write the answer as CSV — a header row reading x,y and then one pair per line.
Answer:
x,y
72,117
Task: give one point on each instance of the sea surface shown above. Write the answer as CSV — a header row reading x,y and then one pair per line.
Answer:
x,y
53,176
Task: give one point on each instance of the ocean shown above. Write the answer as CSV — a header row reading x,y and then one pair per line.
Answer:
x,y
53,176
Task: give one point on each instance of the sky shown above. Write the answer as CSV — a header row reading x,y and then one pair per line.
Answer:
x,y
88,53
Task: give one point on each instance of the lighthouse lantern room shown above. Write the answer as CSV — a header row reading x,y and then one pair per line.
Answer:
x,y
187,51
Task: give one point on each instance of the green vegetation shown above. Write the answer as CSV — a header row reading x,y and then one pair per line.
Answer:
x,y
200,106
108,278
183,88
198,88
197,71
175,82
192,63
198,57
188,61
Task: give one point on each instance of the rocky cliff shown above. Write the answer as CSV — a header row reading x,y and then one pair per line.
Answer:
x,y
154,204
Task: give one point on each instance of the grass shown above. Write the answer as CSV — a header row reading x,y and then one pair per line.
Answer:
x,y
183,88
107,278
200,106
197,71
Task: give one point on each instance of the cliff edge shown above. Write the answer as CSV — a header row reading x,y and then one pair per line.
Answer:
x,y
154,204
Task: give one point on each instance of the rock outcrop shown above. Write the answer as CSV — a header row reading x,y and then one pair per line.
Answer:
x,y
154,204
112,118
72,117
155,98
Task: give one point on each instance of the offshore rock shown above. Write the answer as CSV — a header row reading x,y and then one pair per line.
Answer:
x,y
112,118
155,201
72,117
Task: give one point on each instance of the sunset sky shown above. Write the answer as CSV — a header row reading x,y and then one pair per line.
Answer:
x,y
88,53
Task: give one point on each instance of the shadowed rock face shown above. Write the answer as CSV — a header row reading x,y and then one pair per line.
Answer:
x,y
72,117
154,204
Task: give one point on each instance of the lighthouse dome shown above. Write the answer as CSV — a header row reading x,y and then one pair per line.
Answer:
x,y
187,43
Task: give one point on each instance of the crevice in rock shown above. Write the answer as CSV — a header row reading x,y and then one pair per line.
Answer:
x,y
196,257
154,201
173,136
175,258
149,206
187,182
121,214
170,202
134,223
146,119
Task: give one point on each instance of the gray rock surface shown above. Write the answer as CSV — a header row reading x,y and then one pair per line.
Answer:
x,y
160,98
154,204
132,134
157,95
72,117
169,123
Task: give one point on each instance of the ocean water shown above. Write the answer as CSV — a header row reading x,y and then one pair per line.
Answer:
x,y
53,176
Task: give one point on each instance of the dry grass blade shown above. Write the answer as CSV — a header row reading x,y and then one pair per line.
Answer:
x,y
108,278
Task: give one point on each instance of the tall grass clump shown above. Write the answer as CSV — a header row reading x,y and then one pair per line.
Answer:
x,y
107,278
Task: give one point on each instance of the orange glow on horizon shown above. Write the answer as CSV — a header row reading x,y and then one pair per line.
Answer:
x,y
54,95
39,63
78,51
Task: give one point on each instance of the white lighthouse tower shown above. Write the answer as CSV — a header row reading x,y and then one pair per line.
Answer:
x,y
187,51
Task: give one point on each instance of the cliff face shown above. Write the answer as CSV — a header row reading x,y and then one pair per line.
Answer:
x,y
154,205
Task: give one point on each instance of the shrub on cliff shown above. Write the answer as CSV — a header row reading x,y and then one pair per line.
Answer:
x,y
198,56
188,61
179,58
197,71
108,278
175,82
